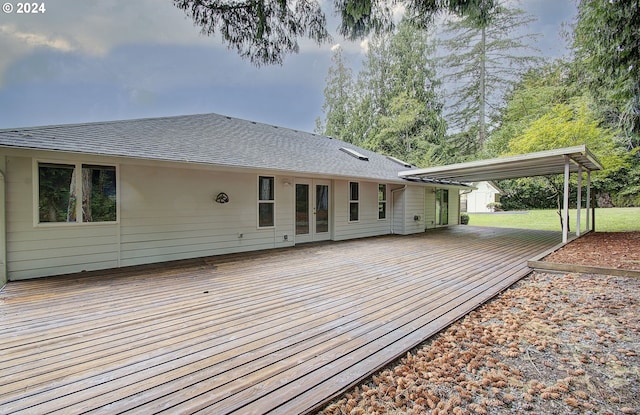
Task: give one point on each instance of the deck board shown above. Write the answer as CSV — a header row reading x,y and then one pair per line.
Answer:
x,y
276,331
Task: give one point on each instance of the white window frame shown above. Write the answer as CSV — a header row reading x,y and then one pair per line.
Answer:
x,y
384,201
78,166
354,201
266,201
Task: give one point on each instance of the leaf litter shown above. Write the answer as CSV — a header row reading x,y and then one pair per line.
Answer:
x,y
550,344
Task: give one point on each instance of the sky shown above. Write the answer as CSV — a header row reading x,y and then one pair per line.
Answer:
x,y
85,61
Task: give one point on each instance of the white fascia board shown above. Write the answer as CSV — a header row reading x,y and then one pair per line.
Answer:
x,y
531,164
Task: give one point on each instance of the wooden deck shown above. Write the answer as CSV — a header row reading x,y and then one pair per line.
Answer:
x,y
277,332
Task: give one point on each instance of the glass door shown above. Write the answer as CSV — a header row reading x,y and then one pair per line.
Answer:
x,y
321,212
442,207
312,210
303,211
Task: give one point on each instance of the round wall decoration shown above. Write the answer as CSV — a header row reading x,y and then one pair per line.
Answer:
x,y
222,198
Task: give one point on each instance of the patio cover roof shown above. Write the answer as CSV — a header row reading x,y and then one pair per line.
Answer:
x,y
526,165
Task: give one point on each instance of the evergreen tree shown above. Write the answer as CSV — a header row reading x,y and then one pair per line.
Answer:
x,y
606,42
395,107
484,58
265,31
403,93
346,107
338,94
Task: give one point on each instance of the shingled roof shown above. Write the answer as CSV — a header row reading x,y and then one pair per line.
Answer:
x,y
209,139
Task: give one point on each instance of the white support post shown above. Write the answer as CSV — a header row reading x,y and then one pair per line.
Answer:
x,y
565,202
3,224
579,201
589,219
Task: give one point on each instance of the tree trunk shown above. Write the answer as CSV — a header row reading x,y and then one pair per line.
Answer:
x,y
560,212
483,93
52,212
86,196
604,200
557,193
73,194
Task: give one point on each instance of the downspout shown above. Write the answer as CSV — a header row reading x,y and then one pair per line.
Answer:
x,y
464,192
393,206
3,227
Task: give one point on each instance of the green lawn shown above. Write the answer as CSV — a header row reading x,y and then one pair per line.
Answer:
x,y
607,220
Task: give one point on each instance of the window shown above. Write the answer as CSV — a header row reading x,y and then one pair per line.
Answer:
x,y
266,202
354,201
382,201
62,197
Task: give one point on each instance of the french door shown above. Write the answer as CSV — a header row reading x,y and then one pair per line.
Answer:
x,y
442,207
312,210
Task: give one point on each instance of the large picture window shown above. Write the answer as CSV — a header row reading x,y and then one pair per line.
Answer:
x,y
76,193
354,201
382,201
266,202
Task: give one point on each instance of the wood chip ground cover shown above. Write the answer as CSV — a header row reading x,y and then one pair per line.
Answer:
x,y
619,250
551,344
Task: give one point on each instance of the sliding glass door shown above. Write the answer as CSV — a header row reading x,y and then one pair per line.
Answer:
x,y
442,207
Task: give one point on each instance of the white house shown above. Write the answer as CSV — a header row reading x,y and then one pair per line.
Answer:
x,y
479,200
113,194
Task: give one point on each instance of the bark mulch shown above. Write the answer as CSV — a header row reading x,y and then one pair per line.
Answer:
x,y
619,250
551,344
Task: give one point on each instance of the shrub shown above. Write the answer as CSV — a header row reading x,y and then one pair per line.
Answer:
x,y
464,219
494,206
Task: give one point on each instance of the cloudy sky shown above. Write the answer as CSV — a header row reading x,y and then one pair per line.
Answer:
x,y
82,61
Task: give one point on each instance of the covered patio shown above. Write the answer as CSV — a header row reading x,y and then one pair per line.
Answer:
x,y
563,161
279,332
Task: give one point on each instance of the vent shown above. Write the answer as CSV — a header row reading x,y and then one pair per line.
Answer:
x,y
354,153
400,162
